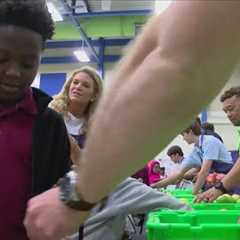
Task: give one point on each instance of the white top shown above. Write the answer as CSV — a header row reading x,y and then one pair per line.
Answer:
x,y
169,165
73,124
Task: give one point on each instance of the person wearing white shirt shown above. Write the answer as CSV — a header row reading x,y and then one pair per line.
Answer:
x,y
77,101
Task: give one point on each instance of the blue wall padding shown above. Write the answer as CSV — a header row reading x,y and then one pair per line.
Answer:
x,y
52,83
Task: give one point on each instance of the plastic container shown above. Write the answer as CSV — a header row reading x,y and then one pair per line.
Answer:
x,y
185,198
196,225
216,206
188,199
179,191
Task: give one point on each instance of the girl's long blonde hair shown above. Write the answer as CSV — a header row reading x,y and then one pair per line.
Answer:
x,y
60,102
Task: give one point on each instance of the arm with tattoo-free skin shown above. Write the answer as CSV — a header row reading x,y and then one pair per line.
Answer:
x,y
191,174
201,176
172,179
231,180
133,125
158,96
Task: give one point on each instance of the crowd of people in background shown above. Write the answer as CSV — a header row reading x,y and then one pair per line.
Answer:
x,y
182,173
208,155
223,162
231,182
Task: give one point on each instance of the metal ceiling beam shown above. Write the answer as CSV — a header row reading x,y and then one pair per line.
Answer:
x,y
81,31
102,46
78,43
72,59
114,13
100,43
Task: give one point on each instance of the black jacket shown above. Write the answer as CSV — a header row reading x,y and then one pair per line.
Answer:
x,y
50,147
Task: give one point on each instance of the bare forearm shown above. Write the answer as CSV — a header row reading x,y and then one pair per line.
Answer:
x,y
199,182
167,181
139,120
232,179
133,55
135,126
191,173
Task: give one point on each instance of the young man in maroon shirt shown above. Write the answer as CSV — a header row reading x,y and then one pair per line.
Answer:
x,y
34,146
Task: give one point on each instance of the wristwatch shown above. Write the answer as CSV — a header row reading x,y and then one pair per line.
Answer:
x,y
221,187
70,196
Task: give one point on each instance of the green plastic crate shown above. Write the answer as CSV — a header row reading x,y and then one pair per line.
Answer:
x,y
216,206
181,191
175,192
196,225
186,198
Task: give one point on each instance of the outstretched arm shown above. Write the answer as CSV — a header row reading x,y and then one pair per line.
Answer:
x,y
172,179
201,177
135,55
193,51
191,174
231,180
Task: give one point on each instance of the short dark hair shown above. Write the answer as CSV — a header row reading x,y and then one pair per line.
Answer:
x,y
208,126
195,127
234,91
30,14
175,150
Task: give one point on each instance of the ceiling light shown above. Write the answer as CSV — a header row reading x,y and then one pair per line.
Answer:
x,y
81,55
54,12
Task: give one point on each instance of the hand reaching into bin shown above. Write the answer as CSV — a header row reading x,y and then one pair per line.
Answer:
x,y
208,196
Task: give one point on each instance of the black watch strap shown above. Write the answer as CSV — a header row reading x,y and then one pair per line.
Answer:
x,y
80,205
221,187
70,197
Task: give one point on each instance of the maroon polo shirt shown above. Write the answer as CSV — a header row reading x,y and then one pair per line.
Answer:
x,y
16,124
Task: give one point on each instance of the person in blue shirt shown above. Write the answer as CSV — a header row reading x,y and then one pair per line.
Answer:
x,y
231,182
209,154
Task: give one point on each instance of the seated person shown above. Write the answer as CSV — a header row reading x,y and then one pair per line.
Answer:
x,y
209,154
